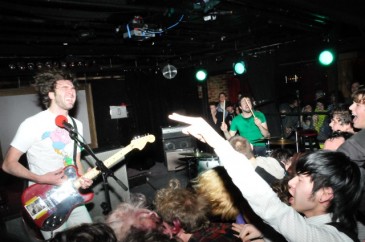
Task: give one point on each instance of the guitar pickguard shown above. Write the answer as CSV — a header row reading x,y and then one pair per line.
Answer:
x,y
51,208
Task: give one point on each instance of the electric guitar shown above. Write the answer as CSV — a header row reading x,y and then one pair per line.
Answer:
x,y
50,206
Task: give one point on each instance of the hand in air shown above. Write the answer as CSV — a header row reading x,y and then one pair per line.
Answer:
x,y
199,128
247,232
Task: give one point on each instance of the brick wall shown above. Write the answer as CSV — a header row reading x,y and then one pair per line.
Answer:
x,y
216,85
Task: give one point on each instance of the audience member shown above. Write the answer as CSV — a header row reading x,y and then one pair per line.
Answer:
x,y
289,118
251,125
341,119
326,189
137,235
93,232
335,99
306,119
341,125
237,110
215,118
222,104
336,139
186,214
230,114
133,215
268,168
354,147
320,120
354,86
226,201
284,156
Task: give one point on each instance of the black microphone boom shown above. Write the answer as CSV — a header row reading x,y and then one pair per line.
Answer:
x,y
68,127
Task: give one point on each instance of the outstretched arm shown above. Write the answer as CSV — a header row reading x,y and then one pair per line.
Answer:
x,y
258,193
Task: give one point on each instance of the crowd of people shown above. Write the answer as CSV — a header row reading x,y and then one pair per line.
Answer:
x,y
286,196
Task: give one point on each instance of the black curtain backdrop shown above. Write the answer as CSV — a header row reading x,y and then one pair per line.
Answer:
x,y
261,79
150,98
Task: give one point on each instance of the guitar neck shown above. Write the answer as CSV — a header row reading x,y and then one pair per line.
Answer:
x,y
108,163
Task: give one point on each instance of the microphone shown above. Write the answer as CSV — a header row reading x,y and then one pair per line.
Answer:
x,y
61,121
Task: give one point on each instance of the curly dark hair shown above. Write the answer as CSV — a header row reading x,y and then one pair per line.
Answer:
x,y
45,82
182,207
342,113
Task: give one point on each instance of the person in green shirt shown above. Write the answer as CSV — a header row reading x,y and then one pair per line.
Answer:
x,y
250,124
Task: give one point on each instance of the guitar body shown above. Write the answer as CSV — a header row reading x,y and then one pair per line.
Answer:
x,y
50,206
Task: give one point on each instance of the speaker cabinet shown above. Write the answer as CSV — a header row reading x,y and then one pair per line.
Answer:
x,y
179,143
174,143
173,158
116,192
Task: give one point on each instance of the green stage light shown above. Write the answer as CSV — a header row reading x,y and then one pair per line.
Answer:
x,y
201,75
239,67
326,57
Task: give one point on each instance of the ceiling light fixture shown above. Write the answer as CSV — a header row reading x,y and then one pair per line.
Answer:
x,y
169,71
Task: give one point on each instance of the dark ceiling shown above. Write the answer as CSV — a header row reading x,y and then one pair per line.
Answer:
x,y
94,32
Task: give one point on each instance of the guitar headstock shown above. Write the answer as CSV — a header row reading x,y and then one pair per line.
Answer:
x,y
141,141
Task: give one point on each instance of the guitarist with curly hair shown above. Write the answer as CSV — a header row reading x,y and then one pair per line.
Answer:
x,y
49,148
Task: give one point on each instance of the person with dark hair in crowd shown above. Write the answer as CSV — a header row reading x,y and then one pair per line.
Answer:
x,y
222,104
321,120
230,114
215,118
289,118
186,214
354,147
251,124
336,139
306,118
93,232
49,148
326,190
341,125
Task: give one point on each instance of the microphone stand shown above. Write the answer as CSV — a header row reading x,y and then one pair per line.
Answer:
x,y
105,172
299,125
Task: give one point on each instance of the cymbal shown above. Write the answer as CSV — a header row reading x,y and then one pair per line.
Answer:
x,y
197,154
265,139
282,141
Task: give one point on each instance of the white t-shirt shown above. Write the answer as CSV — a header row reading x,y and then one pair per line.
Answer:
x,y
48,147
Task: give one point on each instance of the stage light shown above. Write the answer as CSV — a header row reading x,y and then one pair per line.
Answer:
x,y
326,57
201,75
239,67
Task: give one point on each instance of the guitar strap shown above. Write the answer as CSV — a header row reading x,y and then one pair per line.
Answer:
x,y
75,144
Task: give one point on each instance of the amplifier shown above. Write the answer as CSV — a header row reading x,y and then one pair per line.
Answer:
x,y
173,132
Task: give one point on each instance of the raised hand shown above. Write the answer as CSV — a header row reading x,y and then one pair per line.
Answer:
x,y
199,128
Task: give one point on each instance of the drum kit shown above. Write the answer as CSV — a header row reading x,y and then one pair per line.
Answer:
x,y
198,162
